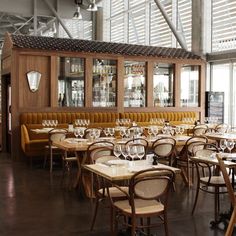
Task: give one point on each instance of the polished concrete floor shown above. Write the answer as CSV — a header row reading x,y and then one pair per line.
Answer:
x,y
32,202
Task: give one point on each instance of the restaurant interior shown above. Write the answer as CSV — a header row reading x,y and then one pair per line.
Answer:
x,y
118,117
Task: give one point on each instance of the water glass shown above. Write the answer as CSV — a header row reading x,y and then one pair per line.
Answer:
x,y
223,144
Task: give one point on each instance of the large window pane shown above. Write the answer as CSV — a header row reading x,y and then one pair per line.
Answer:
x,y
163,85
189,86
221,83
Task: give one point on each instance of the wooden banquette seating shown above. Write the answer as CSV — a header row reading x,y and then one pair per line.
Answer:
x,y
33,143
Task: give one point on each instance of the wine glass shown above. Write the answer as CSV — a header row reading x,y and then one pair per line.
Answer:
x,y
81,132
111,131
106,131
76,132
222,144
125,151
122,132
132,151
117,150
140,152
181,130
149,131
230,144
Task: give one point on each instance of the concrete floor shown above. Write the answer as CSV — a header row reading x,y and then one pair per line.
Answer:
x,y
32,202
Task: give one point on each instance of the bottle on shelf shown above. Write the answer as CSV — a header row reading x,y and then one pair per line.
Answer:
x,y
63,103
60,100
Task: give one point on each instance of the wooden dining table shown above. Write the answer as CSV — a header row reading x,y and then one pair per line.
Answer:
x,y
79,147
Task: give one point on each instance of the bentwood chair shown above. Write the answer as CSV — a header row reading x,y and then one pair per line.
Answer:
x,y
53,135
164,149
199,130
147,197
183,159
102,152
208,178
138,143
231,193
222,128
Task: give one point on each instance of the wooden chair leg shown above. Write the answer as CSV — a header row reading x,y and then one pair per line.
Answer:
x,y
232,222
95,213
166,224
196,198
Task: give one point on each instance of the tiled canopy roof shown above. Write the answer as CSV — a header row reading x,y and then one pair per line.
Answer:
x,y
78,45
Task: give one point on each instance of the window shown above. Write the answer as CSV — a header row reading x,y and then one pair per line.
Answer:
x,y
189,86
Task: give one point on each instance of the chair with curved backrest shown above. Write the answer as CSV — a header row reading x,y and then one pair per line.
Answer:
x,y
144,200
102,152
88,131
164,149
183,161
208,180
222,128
199,130
231,193
138,143
53,135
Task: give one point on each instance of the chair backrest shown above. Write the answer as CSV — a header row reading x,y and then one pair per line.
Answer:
x,y
138,142
87,132
56,135
222,128
100,151
199,131
187,150
164,147
150,184
227,180
205,149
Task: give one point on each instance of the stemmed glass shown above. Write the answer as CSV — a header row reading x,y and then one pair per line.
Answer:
x,y
149,131
223,144
181,130
125,151
122,132
140,152
230,144
117,150
81,132
76,132
132,151
106,131
154,130
111,131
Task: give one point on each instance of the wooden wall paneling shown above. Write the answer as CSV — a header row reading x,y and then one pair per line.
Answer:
x,y
53,92
88,81
16,97
120,85
40,98
149,85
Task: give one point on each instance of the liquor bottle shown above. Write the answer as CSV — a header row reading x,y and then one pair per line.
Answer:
x,y
63,103
59,100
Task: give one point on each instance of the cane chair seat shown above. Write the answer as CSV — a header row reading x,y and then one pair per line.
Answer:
x,y
142,207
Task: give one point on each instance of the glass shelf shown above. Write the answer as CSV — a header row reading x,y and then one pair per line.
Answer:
x,y
71,82
135,84
104,83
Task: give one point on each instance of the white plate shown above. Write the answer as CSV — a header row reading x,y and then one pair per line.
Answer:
x,y
117,162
